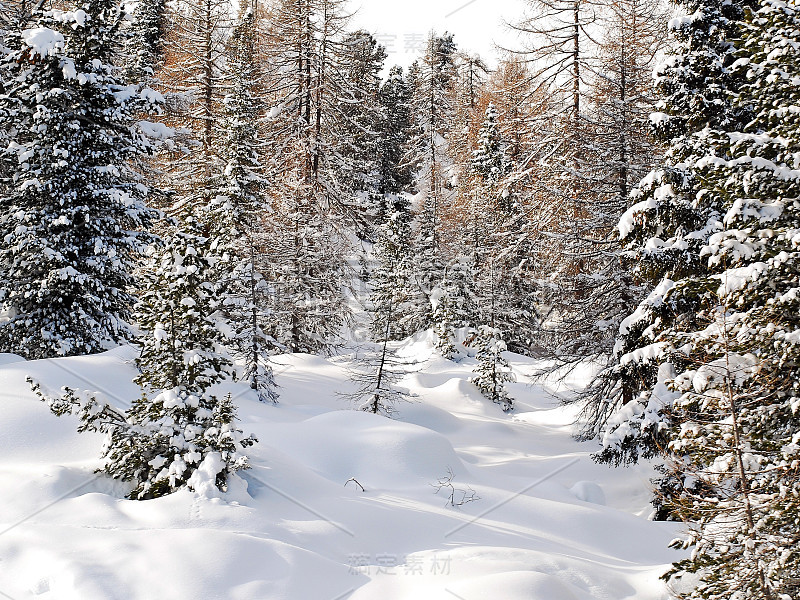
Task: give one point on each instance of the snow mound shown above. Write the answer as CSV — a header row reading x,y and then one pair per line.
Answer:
x,y
378,452
7,358
589,491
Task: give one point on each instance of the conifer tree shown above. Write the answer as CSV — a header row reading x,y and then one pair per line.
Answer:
x,y
194,79
72,213
194,440
145,39
396,130
621,151
240,207
734,385
665,231
501,239
455,307
177,434
393,283
362,61
312,193
432,80
493,370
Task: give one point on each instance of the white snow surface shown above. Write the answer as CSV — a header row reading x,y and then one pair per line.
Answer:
x,y
289,528
43,41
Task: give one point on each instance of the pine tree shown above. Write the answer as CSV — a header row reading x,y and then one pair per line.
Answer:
x,y
397,128
432,80
145,41
393,283
72,214
194,441
493,370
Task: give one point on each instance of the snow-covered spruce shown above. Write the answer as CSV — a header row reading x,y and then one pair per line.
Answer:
x,y
493,370
393,283
145,39
736,412
237,212
500,236
72,214
431,80
180,434
175,440
665,231
455,305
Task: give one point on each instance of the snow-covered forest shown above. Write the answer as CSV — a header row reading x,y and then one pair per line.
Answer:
x,y
318,326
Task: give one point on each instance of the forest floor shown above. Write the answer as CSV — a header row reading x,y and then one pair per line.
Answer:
x,y
544,521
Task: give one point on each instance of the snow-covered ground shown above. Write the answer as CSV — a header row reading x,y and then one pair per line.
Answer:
x,y
549,524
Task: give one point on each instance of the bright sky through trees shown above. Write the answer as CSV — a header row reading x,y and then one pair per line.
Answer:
x,y
402,26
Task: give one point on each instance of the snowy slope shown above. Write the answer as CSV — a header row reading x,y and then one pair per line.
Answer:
x,y
291,529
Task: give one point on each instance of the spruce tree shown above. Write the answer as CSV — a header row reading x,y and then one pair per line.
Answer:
x,y
432,80
735,389
666,229
500,238
177,434
456,307
392,280
145,39
239,207
397,129
72,213
493,370
193,439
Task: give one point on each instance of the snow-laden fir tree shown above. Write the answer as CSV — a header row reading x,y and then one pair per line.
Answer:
x,y
239,209
500,238
392,280
178,434
397,129
493,371
192,435
432,80
145,39
358,135
455,306
666,229
735,390
72,214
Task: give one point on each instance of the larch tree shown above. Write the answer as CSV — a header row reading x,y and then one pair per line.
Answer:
x,y
620,150
311,180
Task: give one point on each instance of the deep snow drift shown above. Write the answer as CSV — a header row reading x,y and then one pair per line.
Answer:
x,y
290,528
